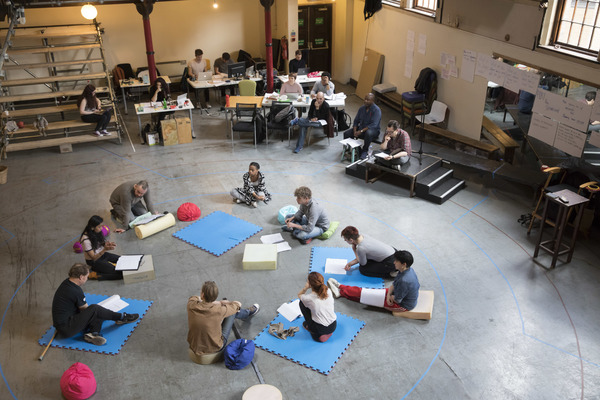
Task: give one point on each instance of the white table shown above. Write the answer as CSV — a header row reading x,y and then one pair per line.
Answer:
x,y
157,108
135,83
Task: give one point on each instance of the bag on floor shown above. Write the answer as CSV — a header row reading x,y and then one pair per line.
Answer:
x,y
239,353
344,120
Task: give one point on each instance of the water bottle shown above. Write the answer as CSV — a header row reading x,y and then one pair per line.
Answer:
x,y
226,100
370,150
165,104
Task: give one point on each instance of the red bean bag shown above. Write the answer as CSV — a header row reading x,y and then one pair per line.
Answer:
x,y
78,382
188,212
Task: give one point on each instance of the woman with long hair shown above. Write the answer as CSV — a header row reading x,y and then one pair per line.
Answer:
x,y
254,189
159,92
95,250
374,257
90,109
317,308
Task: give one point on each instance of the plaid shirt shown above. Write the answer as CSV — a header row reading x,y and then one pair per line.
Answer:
x,y
401,141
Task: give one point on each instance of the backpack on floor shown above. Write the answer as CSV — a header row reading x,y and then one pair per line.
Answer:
x,y
285,115
344,121
239,353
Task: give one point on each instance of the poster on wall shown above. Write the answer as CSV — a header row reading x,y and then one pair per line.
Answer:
x,y
422,43
498,72
562,109
570,140
512,79
529,81
543,128
467,69
483,65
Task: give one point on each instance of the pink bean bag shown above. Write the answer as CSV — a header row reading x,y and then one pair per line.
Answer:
x,y
78,382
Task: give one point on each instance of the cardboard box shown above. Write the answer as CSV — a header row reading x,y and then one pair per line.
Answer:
x,y
169,132
184,129
144,273
260,256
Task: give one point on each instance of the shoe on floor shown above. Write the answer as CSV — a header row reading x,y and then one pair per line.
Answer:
x,y
208,106
104,132
297,149
94,338
334,286
305,241
93,275
237,201
127,319
253,310
254,204
394,274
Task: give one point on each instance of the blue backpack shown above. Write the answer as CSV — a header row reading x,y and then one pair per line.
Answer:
x,y
239,353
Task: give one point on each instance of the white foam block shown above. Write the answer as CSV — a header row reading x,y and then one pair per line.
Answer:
x,y
424,307
260,256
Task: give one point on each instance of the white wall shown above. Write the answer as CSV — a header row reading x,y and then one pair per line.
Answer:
x,y
387,32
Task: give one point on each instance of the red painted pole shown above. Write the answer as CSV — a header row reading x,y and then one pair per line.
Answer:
x,y
269,44
149,48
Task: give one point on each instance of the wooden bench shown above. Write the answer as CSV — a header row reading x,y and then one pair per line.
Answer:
x,y
48,95
52,31
52,79
500,138
489,149
60,125
29,112
38,144
53,64
423,309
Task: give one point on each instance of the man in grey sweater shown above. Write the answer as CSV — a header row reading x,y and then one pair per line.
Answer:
x,y
310,221
126,201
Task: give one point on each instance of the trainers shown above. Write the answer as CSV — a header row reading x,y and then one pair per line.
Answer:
x,y
298,149
394,274
104,132
236,201
294,122
97,134
93,275
334,286
305,241
254,204
253,310
94,338
127,319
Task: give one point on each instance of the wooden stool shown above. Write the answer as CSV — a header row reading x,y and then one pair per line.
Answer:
x,y
350,151
208,358
553,246
262,392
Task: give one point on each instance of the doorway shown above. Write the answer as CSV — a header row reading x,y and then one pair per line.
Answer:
x,y
314,36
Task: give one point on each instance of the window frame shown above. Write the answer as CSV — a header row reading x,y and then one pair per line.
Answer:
x,y
577,51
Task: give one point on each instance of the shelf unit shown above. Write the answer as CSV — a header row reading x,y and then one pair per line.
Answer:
x,y
43,71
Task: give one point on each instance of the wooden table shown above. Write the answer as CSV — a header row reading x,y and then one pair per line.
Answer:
x,y
554,246
135,83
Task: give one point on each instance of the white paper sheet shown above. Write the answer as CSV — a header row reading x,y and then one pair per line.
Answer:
x,y
410,41
113,303
570,140
543,128
373,297
335,266
467,69
381,155
283,246
290,311
352,142
422,43
129,263
483,65
270,239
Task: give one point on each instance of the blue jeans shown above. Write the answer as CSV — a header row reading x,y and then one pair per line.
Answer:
x,y
304,123
227,323
368,137
303,235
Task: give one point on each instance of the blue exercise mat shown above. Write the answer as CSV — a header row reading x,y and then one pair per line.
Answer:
x,y
115,335
217,232
319,256
302,349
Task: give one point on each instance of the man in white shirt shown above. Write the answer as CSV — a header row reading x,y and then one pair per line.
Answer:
x,y
195,67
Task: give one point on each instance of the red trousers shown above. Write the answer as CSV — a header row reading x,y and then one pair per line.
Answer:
x,y
353,293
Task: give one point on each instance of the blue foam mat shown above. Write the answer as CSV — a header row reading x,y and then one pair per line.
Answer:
x,y
115,335
319,256
217,232
302,349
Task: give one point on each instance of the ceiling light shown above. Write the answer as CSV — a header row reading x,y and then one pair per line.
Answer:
x,y
89,11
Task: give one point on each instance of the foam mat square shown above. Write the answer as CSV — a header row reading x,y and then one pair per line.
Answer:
x,y
302,349
115,335
319,256
218,232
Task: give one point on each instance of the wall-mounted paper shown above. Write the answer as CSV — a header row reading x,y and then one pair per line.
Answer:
x,y
483,65
562,109
467,69
498,72
529,81
422,43
570,140
543,128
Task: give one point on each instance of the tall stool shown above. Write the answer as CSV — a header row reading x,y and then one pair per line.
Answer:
x,y
554,246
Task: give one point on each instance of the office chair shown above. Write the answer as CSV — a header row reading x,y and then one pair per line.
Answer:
x,y
245,115
247,87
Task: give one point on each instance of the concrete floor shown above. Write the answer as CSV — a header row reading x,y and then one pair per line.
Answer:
x,y
503,327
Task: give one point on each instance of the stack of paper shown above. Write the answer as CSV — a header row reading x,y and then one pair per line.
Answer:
x,y
129,263
335,266
352,142
290,311
113,303
277,239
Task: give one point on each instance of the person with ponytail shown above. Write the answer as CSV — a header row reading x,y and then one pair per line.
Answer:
x,y
95,251
317,308
375,258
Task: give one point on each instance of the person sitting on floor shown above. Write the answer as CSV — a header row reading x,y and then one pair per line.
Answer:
x,y
396,143
366,124
317,308
126,201
96,253
318,111
401,296
254,189
71,313
210,321
310,221
90,110
375,258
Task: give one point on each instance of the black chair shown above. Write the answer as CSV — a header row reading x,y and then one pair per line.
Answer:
x,y
284,123
245,115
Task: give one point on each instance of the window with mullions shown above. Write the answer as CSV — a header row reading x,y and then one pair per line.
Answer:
x,y
425,5
578,26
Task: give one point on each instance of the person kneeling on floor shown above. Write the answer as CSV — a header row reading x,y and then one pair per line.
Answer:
x,y
126,201
71,313
317,308
310,221
95,247
401,296
210,321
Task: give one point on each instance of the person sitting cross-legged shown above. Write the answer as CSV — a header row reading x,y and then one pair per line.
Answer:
x,y
310,221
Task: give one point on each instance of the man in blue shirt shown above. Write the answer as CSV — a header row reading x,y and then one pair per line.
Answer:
x,y
366,124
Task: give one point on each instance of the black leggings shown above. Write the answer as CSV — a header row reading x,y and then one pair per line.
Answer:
x,y
378,269
101,120
89,319
316,330
104,268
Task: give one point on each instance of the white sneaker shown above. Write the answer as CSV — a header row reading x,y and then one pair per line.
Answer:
x,y
238,201
253,310
254,204
104,132
334,286
97,134
208,106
